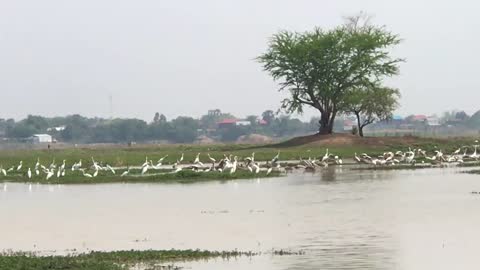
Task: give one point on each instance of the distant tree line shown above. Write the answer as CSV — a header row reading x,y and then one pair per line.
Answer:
x,y
183,129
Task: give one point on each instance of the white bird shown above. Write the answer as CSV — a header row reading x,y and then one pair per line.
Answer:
x,y
234,165
20,165
87,174
63,166
95,173
338,160
257,168
37,164
181,159
211,159
250,159
475,155
50,173
269,170
3,171
29,173
125,172
11,169
37,172
144,169
53,165
197,160
59,172
325,157
77,165
356,158
111,169
160,161
145,163
275,158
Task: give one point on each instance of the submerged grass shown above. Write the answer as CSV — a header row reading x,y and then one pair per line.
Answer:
x,y
186,176
115,260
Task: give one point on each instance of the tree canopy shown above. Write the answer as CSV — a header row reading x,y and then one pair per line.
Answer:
x,y
372,104
320,68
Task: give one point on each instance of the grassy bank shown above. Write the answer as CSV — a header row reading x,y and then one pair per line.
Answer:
x,y
343,146
186,176
116,260
290,150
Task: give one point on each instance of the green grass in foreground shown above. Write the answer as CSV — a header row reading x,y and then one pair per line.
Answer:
x,y
186,176
116,260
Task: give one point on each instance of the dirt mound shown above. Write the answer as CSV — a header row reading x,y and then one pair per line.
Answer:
x,y
254,139
349,139
204,140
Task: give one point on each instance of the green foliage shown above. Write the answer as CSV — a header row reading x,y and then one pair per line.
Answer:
x,y
114,260
474,121
372,104
318,68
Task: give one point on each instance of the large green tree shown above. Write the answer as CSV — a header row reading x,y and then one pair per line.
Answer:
x,y
319,68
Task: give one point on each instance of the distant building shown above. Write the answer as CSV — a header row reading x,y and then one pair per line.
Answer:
x,y
59,128
348,124
232,122
243,123
41,138
262,122
418,118
225,123
433,121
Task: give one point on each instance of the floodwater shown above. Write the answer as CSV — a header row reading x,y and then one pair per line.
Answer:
x,y
339,218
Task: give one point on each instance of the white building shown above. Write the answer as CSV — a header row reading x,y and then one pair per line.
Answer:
x,y
41,138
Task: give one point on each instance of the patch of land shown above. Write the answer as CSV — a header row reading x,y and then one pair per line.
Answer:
x,y
314,146
184,177
115,260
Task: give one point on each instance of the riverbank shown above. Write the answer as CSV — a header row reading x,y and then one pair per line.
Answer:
x,y
115,260
185,177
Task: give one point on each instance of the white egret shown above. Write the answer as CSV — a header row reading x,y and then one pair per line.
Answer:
x,y
160,161
146,162
234,165
20,165
326,156
50,173
145,169
275,158
211,159
125,172
197,160
29,173
111,169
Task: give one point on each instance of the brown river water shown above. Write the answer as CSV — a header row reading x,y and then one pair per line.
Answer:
x,y
339,218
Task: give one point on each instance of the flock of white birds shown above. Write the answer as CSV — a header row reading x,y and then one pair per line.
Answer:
x,y
231,164
226,164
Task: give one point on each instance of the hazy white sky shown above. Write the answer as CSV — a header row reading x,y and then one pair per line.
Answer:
x,y
185,57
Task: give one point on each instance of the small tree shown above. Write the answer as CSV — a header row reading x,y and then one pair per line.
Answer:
x,y
156,118
268,116
372,104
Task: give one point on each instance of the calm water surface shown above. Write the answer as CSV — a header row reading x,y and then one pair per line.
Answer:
x,y
341,219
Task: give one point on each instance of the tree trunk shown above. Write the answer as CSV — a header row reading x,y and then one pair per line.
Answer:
x,y
326,123
360,126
